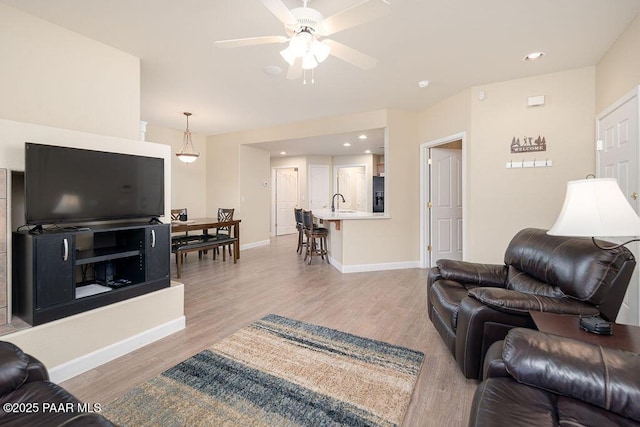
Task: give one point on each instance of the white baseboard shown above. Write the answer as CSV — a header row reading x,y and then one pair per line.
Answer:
x,y
89,361
255,244
361,268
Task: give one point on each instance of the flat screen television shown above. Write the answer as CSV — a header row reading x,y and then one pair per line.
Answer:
x,y
64,185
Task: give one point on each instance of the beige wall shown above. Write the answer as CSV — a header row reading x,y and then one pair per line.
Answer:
x,y
189,182
64,89
255,197
52,76
390,241
619,69
448,117
226,165
502,201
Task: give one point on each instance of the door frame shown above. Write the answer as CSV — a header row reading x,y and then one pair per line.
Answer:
x,y
274,208
424,193
633,247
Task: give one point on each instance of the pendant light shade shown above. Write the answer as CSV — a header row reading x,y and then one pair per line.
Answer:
x,y
187,153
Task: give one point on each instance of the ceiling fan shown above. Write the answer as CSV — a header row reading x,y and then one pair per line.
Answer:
x,y
305,26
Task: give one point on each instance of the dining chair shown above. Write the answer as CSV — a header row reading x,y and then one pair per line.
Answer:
x,y
176,215
224,215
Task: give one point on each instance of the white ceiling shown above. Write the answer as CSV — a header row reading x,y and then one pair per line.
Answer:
x,y
454,44
328,145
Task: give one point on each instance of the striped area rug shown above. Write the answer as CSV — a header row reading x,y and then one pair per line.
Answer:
x,y
279,372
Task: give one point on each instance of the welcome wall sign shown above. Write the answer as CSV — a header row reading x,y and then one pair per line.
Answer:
x,y
528,144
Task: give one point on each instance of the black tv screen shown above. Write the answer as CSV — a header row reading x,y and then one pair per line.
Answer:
x,y
65,184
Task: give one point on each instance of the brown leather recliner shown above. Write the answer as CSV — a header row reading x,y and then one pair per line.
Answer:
x,y
27,398
474,305
537,379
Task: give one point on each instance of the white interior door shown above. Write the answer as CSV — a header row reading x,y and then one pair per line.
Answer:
x,y
286,200
446,204
319,182
618,157
351,184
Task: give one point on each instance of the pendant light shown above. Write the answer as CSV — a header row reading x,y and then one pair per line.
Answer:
x,y
187,153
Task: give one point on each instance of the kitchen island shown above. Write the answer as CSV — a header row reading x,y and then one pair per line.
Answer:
x,y
326,215
344,250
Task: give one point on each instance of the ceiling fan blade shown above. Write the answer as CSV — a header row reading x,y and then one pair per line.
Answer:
x,y
295,70
250,41
350,55
358,14
281,11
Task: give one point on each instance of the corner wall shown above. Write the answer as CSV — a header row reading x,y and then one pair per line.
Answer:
x,y
189,182
618,72
55,77
391,241
502,201
61,88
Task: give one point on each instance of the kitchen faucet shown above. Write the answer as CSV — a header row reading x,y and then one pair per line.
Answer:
x,y
333,199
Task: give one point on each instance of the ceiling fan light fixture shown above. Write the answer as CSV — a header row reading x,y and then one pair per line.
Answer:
x,y
288,55
309,61
320,50
301,42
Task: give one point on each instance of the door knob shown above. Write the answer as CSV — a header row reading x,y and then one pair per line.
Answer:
x,y
634,195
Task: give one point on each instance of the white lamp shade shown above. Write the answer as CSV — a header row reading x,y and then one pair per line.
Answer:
x,y
187,158
288,55
320,50
187,153
596,208
309,61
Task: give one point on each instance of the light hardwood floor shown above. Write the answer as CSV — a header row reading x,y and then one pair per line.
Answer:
x,y
221,298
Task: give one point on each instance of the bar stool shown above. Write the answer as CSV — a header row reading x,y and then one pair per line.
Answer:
x,y
312,234
300,227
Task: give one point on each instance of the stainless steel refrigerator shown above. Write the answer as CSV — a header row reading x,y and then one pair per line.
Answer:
x,y
378,194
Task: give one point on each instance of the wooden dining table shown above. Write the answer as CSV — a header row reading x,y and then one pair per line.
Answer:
x,y
206,224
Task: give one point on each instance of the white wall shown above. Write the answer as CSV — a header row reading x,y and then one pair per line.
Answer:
x,y
189,180
64,89
53,76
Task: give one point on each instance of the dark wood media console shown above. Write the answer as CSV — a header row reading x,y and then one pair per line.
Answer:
x,y
64,272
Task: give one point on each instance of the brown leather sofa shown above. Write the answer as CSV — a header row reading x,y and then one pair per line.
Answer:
x,y
474,305
28,398
537,379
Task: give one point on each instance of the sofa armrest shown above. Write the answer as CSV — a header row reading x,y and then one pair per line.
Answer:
x,y
473,273
493,366
521,303
479,326
36,371
433,275
13,367
604,377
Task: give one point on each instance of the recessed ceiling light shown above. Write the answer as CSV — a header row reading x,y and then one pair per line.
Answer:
x,y
346,144
423,83
367,152
363,136
283,152
272,70
533,56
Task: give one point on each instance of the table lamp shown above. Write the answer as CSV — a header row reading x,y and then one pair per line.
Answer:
x,y
596,208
